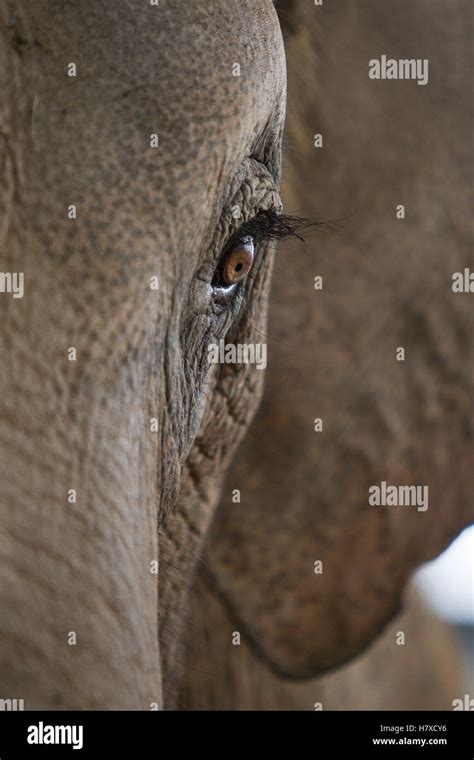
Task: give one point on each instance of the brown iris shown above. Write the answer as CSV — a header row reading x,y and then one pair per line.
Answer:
x,y
236,263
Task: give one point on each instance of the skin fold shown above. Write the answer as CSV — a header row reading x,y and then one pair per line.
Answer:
x,y
140,424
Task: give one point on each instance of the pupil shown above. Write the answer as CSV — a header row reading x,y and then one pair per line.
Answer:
x,y
238,267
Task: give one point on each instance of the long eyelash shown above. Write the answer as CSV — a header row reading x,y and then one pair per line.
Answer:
x,y
268,225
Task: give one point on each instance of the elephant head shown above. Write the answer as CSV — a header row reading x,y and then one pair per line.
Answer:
x,y
140,162
140,171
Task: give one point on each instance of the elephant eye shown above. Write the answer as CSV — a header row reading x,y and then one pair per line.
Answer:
x,y
235,263
238,257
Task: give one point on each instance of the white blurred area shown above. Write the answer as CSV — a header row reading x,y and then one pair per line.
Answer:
x,y
447,583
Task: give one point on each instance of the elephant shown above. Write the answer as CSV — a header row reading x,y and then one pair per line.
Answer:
x,y
141,163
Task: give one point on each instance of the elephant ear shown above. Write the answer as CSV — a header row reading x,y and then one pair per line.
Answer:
x,y
311,570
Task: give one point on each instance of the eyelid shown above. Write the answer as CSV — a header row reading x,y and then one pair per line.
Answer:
x,y
252,182
251,191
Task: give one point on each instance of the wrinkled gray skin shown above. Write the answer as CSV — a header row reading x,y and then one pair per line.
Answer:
x,y
141,354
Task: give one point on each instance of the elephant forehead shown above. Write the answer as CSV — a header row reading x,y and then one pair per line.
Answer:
x,y
199,74
164,104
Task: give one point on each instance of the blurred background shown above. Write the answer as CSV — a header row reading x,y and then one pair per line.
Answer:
x,y
447,585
